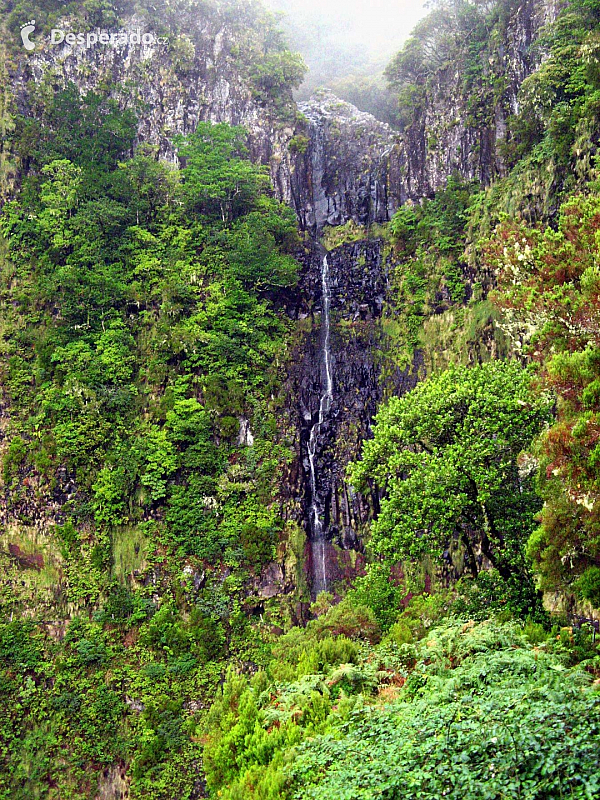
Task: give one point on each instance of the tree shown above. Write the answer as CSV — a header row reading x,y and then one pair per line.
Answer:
x,y
59,194
255,244
90,130
147,184
218,181
446,457
549,292
276,74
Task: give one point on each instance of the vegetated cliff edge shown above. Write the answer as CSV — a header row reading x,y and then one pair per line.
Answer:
x,y
221,66
459,94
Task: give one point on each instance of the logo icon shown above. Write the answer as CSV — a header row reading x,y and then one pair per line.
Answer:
x,y
26,31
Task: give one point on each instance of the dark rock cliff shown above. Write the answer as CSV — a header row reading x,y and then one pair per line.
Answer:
x,y
347,171
359,168
358,275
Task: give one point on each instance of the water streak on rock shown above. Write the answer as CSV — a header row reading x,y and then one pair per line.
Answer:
x,y
317,523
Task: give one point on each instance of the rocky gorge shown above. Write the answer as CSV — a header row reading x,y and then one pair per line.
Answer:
x,y
334,165
299,409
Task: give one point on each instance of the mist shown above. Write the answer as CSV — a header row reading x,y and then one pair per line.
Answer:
x,y
347,45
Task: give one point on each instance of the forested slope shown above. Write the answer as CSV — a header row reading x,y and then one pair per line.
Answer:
x,y
188,261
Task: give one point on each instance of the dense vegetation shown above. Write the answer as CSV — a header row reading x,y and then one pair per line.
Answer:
x,y
141,325
165,17
530,238
552,133
447,456
429,710
146,448
548,288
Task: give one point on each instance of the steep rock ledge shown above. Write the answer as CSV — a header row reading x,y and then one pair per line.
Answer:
x,y
347,171
459,129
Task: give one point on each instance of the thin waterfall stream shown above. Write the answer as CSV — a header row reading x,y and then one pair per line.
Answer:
x,y
317,522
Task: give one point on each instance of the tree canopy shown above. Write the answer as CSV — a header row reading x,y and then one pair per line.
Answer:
x,y
446,458
549,286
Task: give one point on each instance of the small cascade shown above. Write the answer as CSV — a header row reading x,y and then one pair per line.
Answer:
x,y
316,517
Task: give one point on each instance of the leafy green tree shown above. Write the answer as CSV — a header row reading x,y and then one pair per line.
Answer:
x,y
255,246
147,185
446,457
109,496
160,462
116,354
548,289
276,74
59,199
218,180
90,130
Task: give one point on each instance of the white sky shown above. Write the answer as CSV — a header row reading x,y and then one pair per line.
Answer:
x,y
377,27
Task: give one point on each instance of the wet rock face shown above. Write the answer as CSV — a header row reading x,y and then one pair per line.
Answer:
x,y
346,171
358,277
358,286
358,168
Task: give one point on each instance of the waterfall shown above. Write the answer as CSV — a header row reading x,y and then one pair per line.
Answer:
x,y
317,524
